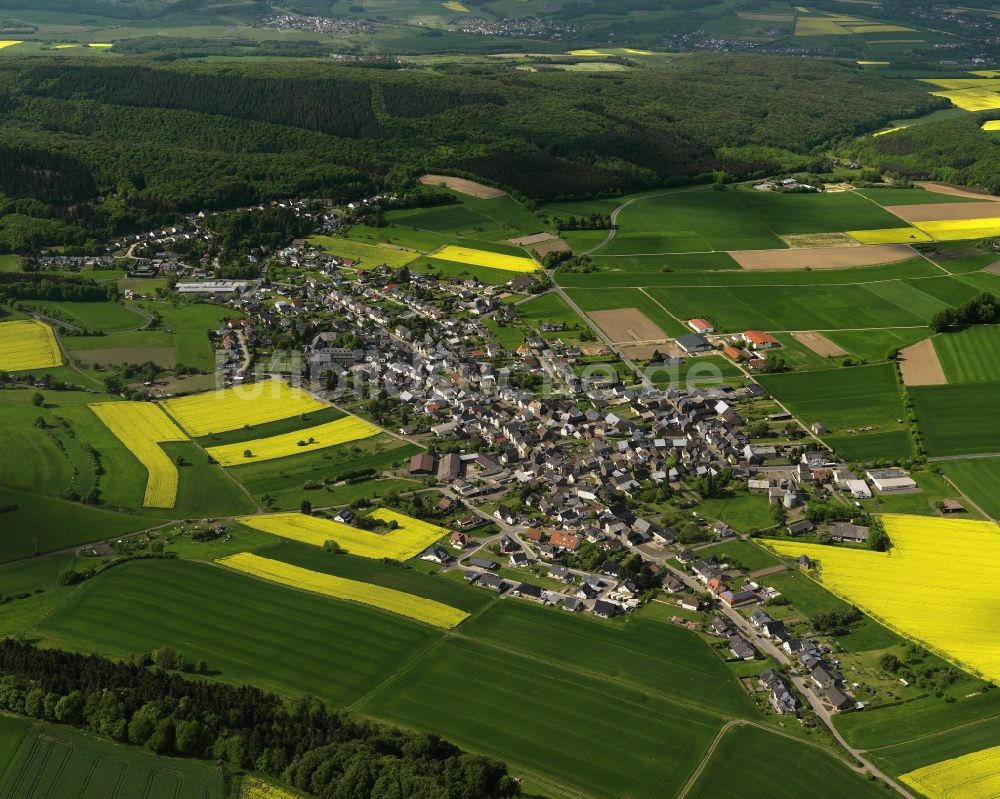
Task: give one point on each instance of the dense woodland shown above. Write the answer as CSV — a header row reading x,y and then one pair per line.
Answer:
x,y
155,140
953,150
323,752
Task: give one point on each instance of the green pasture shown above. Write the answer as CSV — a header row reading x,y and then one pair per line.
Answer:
x,y
875,345
914,196
827,212
957,419
493,219
748,554
552,308
933,747
740,509
367,256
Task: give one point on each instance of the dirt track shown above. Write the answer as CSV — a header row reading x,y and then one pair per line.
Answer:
x,y
628,326
462,185
957,191
933,212
823,257
819,344
920,366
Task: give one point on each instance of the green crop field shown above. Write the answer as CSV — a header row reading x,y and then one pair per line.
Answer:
x,y
690,262
978,478
759,761
736,278
493,219
55,761
896,303
637,652
910,197
694,221
292,643
959,419
842,399
286,479
971,355
541,719
788,214
704,370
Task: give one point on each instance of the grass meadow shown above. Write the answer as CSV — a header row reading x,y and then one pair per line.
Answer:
x,y
605,300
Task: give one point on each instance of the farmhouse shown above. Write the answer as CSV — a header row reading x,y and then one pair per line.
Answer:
x,y
692,342
422,464
700,326
759,340
853,533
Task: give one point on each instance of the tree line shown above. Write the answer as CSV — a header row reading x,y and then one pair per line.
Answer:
x,y
324,752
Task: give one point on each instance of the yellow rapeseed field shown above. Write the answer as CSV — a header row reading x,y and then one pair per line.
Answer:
x,y
978,99
140,426
232,408
101,45
958,229
912,588
493,260
874,63
992,124
341,431
893,235
9,43
972,776
412,537
454,5
27,344
890,130
253,788
403,604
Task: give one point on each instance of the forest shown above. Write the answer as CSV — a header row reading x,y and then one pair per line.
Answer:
x,y
324,752
952,150
155,140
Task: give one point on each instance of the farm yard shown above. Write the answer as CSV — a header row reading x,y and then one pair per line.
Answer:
x,y
899,587
26,344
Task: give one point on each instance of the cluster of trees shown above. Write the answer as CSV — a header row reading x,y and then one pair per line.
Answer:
x,y
836,622
155,140
323,752
16,286
983,309
240,233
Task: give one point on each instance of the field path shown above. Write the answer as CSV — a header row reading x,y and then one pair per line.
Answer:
x,y
626,204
